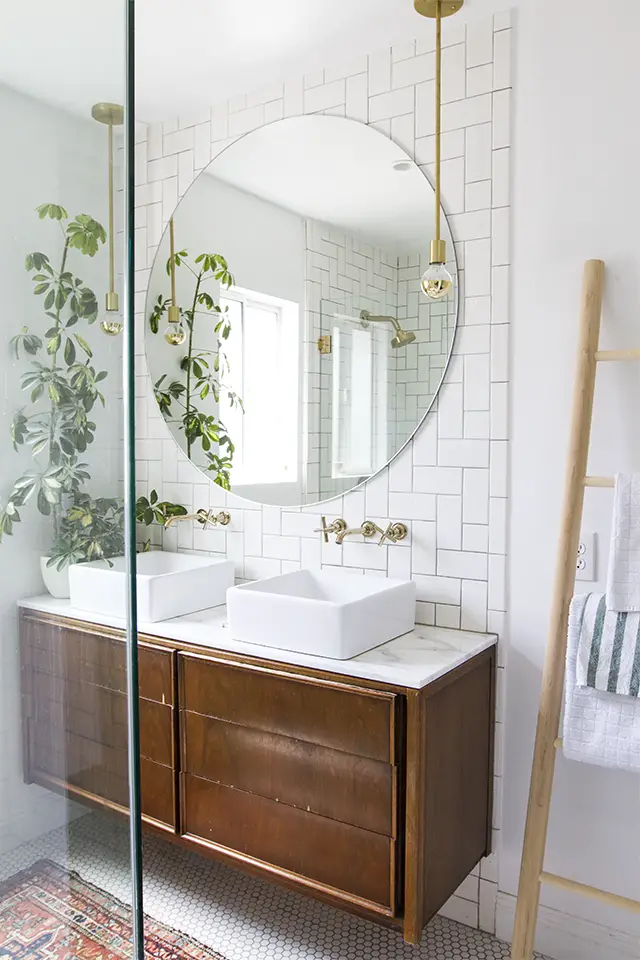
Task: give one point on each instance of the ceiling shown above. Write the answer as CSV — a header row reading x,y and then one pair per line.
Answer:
x,y
191,53
336,171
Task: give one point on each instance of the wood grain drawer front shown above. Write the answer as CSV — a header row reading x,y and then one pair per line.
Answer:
x,y
100,659
357,721
102,771
326,852
98,714
355,790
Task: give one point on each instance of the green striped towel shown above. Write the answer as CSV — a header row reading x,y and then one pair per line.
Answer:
x,y
609,649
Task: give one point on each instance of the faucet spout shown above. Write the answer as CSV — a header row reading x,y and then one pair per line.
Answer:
x,y
203,517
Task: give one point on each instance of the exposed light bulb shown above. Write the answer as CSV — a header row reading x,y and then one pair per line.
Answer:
x,y
112,325
175,334
436,281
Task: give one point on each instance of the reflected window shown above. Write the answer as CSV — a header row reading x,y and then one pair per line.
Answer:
x,y
263,352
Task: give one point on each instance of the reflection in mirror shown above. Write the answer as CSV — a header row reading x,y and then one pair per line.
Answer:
x,y
299,352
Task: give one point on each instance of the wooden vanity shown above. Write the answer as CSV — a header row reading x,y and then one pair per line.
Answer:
x,y
374,797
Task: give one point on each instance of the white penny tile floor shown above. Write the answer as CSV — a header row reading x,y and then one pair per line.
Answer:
x,y
240,917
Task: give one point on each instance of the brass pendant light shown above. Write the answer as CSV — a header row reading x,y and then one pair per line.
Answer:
x,y
436,281
112,115
175,334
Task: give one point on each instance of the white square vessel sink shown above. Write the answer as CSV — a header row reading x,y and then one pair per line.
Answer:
x,y
326,614
169,585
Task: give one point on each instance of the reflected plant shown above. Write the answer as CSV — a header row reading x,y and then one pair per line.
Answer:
x,y
203,369
62,383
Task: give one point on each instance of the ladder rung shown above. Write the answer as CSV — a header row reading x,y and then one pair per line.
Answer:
x,y
599,482
613,899
633,354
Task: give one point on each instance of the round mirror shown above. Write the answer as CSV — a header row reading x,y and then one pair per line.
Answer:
x,y
291,348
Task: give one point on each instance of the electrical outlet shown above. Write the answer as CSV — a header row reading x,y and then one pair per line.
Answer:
x,y
586,563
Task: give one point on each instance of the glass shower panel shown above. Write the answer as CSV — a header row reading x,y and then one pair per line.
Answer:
x,y
65,849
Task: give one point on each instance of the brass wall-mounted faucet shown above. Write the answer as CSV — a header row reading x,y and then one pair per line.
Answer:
x,y
394,533
203,517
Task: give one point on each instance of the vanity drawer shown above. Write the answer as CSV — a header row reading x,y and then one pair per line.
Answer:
x,y
87,656
98,714
354,720
328,854
331,783
101,771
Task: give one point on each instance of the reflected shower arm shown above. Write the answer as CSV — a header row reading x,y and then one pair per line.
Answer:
x,y
367,317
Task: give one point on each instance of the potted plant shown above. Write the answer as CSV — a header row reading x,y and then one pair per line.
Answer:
x,y
93,529
63,387
61,381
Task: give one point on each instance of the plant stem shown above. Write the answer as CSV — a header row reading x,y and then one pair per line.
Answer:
x,y
189,355
57,507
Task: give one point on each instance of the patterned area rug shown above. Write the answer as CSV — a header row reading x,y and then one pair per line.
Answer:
x,y
47,913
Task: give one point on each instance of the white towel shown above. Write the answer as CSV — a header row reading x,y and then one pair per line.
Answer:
x,y
600,728
608,649
623,580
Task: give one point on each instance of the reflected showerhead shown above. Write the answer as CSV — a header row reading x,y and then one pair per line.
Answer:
x,y
402,338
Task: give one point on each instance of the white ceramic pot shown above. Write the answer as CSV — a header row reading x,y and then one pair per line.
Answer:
x,y
56,581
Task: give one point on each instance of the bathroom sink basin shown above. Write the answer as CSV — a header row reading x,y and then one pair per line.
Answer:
x,y
169,585
328,614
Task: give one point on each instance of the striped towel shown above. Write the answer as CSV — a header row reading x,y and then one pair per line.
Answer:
x,y
609,649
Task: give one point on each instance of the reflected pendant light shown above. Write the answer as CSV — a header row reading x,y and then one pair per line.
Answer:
x,y
436,281
111,114
175,334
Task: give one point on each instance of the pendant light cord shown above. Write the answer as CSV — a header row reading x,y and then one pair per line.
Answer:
x,y
173,266
111,237
438,111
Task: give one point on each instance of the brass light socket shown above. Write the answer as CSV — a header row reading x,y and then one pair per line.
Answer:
x,y
427,8
173,314
438,251
112,303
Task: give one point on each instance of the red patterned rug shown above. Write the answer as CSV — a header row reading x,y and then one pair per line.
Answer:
x,y
47,913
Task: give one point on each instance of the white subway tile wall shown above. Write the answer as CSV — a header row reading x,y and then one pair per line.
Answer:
x,y
449,484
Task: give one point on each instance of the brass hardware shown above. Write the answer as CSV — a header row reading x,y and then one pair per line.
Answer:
x,y
175,333
367,530
324,344
402,338
174,310
394,532
427,8
111,114
337,526
437,9
437,251
203,517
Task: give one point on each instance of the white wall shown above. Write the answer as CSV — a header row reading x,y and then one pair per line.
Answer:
x,y
53,157
576,197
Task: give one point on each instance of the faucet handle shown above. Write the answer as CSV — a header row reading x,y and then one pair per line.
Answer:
x,y
324,530
208,516
394,532
336,526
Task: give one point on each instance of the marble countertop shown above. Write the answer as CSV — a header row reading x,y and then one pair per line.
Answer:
x,y
412,660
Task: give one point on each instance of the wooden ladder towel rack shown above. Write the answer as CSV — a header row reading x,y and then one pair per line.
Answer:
x,y
532,873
